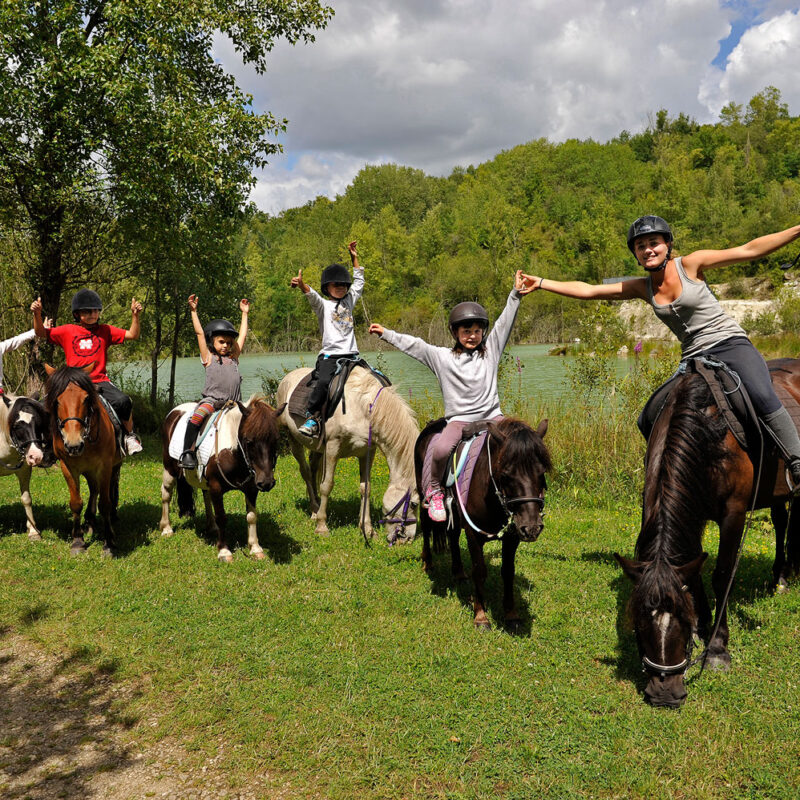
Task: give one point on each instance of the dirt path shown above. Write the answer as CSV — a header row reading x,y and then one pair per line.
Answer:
x,y
61,736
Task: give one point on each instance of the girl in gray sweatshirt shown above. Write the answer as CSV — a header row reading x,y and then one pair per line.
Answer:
x,y
467,375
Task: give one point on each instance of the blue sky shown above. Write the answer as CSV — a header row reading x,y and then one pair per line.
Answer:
x,y
435,84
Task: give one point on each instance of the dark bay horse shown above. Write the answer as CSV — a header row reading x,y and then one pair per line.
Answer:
x,y
507,492
85,442
25,442
245,455
695,471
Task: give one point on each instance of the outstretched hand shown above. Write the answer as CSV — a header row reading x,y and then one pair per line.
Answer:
x,y
298,281
376,329
525,284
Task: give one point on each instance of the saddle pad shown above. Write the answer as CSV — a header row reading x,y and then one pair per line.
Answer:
x,y
298,400
206,448
788,400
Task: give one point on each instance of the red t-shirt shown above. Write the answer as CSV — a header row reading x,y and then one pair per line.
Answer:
x,y
82,346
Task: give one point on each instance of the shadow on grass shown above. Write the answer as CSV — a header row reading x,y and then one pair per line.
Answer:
x,y
443,583
58,718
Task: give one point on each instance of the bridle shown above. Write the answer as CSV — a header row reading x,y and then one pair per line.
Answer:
x,y
251,473
508,503
398,532
85,422
650,667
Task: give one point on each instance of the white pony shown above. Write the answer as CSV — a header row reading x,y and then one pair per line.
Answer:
x,y
23,428
374,416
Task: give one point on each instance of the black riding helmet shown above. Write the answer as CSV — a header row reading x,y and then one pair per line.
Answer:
x,y
646,225
86,300
467,312
335,273
219,327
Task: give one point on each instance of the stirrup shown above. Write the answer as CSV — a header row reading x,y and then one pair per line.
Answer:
x,y
188,459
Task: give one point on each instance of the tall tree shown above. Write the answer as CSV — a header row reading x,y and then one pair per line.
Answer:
x,y
107,106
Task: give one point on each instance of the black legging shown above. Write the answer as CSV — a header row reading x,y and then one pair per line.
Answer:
x,y
119,401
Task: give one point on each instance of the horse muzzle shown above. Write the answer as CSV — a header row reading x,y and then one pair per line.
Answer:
x,y
33,456
74,448
666,692
264,483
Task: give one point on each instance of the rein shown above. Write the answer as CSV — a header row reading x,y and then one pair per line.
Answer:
x,y
239,449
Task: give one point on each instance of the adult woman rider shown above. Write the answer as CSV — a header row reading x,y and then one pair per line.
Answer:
x,y
681,299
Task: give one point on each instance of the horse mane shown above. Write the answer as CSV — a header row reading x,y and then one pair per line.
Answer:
x,y
261,422
521,444
390,415
686,443
5,433
56,385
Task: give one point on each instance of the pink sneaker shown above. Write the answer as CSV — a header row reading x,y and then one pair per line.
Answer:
x,y
436,507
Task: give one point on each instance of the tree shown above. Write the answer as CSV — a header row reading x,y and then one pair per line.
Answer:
x,y
108,106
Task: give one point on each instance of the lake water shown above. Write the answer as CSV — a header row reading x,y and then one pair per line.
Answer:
x,y
542,376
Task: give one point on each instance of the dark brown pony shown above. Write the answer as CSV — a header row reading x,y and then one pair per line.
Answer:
x,y
695,472
245,460
85,442
506,494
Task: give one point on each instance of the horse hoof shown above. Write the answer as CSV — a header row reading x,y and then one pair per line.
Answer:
x,y
513,625
718,663
258,555
782,586
77,549
225,556
35,536
108,552
482,625
322,531
167,532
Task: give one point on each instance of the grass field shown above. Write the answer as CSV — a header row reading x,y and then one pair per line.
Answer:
x,y
346,672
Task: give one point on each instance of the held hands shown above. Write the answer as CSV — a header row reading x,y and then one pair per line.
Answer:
x,y
298,281
47,323
244,305
525,284
376,329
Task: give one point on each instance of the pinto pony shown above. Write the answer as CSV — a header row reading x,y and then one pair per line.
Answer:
x,y
245,457
85,442
25,442
505,499
695,471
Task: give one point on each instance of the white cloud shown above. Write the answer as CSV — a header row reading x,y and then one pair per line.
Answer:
x,y
766,55
439,83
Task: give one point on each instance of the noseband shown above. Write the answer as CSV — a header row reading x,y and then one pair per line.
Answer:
x,y
84,422
663,670
398,532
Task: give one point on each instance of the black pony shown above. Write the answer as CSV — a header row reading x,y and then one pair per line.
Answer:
x,y
695,471
507,492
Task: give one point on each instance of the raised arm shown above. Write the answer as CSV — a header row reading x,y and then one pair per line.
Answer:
x,y
198,329
700,260
623,290
38,326
133,331
244,307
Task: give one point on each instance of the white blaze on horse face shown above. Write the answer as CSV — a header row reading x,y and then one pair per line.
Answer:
x,y
662,622
26,417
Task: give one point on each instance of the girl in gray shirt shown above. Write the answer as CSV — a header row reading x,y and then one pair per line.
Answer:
x,y
681,299
467,375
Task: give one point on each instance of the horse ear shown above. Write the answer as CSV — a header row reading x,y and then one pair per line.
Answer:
x,y
6,400
633,569
243,408
280,409
542,429
688,571
494,432
87,368
49,369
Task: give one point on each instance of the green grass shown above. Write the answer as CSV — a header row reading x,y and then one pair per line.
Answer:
x,y
346,672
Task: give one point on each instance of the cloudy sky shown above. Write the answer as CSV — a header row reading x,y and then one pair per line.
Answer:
x,y
438,83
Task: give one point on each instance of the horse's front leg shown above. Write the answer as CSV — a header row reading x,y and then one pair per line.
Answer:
x,y
475,543
780,521
168,481
24,479
299,453
730,537
364,468
510,545
215,515
105,494
251,497
75,506
325,489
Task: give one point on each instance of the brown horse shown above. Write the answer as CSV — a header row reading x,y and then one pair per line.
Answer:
x,y
85,442
506,498
695,471
245,456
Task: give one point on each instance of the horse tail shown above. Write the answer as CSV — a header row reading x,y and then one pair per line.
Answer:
x,y
185,498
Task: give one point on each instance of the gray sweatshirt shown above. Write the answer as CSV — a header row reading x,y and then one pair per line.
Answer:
x,y
12,344
468,382
336,317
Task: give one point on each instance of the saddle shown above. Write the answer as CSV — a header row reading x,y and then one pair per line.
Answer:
x,y
461,462
730,397
298,401
206,444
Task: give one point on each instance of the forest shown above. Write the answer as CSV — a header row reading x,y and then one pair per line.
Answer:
x,y
557,209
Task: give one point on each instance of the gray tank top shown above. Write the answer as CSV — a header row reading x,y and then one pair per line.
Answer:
x,y
695,316
223,381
